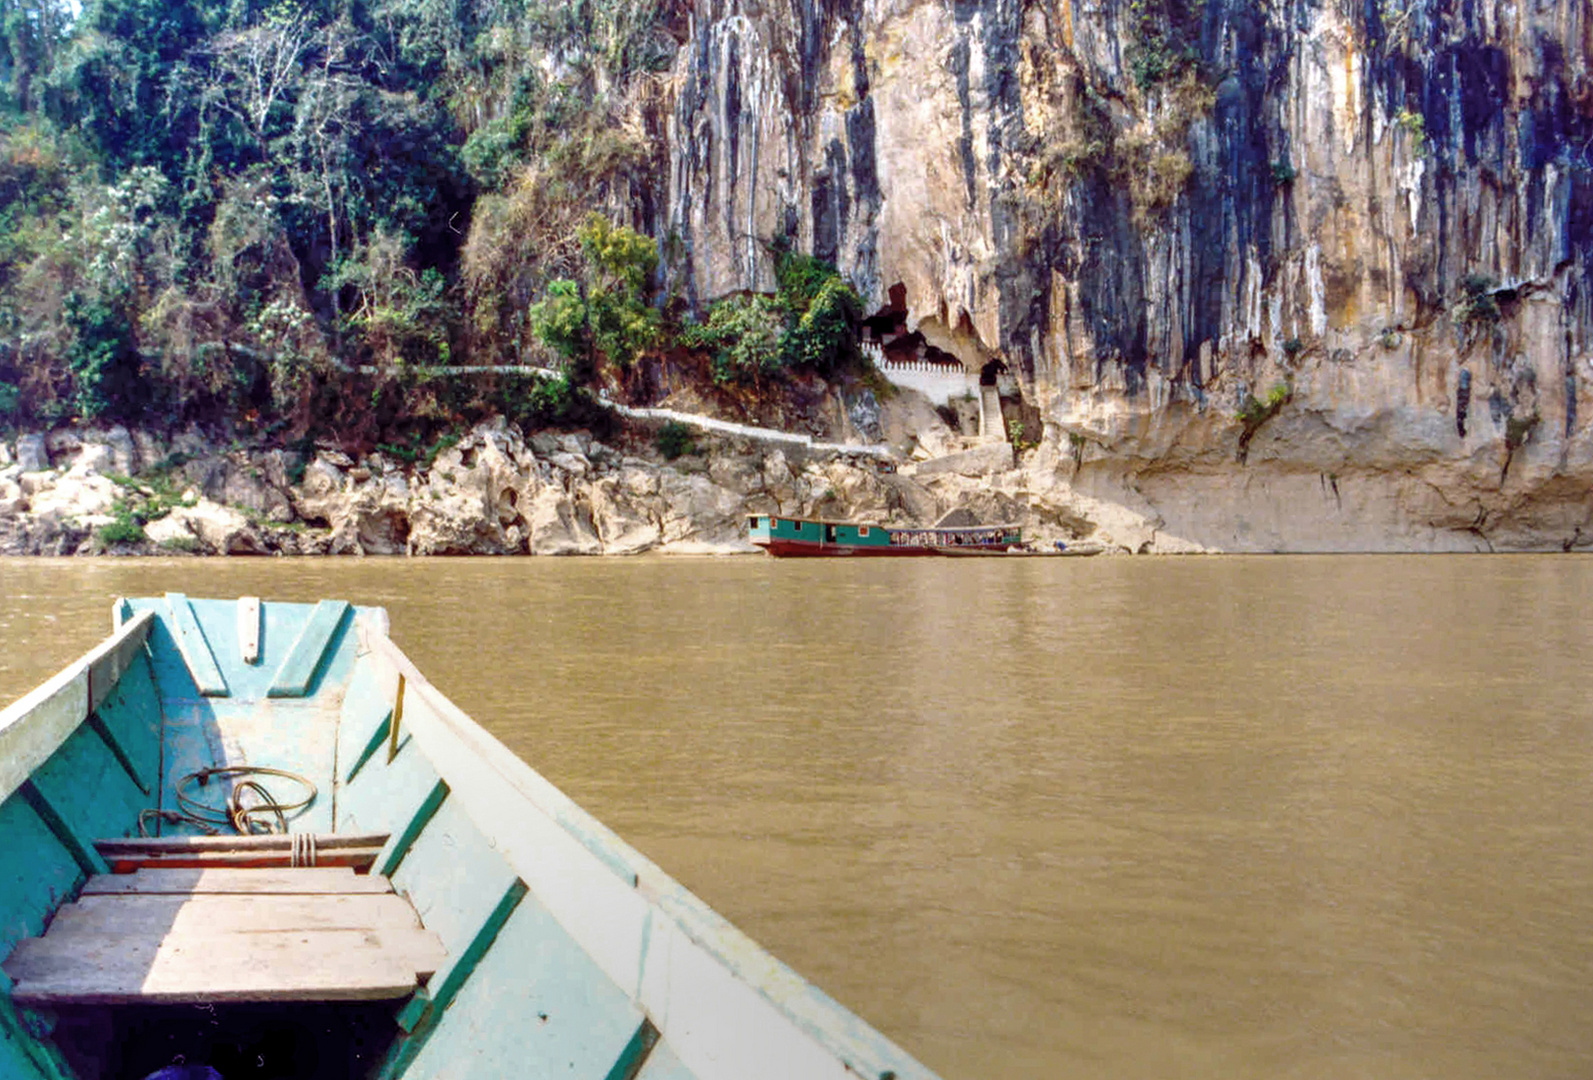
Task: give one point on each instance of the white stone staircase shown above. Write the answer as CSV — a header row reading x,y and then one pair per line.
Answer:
x,y
992,428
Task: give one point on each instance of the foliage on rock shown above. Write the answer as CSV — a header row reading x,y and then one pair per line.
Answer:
x,y
1254,412
810,324
216,211
605,312
1477,305
742,335
674,439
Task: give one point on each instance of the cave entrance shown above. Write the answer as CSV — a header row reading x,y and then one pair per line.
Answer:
x,y
890,321
913,349
898,346
990,372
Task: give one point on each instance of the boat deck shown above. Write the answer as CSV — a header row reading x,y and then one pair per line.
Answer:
x,y
261,934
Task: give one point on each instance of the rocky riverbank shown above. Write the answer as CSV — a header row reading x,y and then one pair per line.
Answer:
x,y
497,491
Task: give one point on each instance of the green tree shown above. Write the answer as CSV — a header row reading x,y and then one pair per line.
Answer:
x,y
822,312
31,32
744,336
104,361
824,337
560,319
604,313
111,82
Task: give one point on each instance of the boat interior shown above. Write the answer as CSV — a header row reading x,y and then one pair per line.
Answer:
x,y
246,839
226,911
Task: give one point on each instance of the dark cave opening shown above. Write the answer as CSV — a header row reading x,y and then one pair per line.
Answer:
x,y
887,327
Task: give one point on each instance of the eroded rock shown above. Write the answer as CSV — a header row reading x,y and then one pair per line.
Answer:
x,y
32,454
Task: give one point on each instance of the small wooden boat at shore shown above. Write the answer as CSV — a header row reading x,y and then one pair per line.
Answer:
x,y
266,811
788,536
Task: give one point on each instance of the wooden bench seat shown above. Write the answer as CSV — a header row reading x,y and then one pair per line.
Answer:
x,y
124,855
233,935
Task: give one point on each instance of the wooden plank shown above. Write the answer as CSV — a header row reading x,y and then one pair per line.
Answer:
x,y
304,659
354,858
312,880
269,842
282,965
218,913
249,628
195,649
110,660
413,949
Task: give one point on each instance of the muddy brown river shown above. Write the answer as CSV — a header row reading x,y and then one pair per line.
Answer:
x,y
1123,818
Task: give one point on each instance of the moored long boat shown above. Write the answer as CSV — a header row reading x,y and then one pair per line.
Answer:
x,y
802,537
432,906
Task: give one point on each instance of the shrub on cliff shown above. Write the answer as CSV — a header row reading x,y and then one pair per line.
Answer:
x,y
1476,304
604,312
397,316
811,323
824,336
105,366
822,313
1253,412
674,439
1164,36
743,335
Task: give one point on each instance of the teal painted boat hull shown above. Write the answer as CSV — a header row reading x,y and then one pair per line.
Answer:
x,y
569,954
788,537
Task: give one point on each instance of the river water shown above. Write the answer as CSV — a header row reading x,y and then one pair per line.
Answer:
x,y
1209,817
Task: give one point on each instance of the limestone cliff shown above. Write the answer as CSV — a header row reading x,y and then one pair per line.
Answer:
x,y
1279,274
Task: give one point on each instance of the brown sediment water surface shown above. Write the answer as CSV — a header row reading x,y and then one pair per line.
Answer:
x,y
1208,817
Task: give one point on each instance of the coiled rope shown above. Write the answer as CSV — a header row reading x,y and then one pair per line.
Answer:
x,y
250,808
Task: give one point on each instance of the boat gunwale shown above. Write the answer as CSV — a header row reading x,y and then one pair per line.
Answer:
x,y
854,1043
30,734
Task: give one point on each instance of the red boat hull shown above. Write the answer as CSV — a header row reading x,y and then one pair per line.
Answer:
x,y
787,549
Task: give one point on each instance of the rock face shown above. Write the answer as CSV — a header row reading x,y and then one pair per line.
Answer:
x,y
497,493
1156,213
